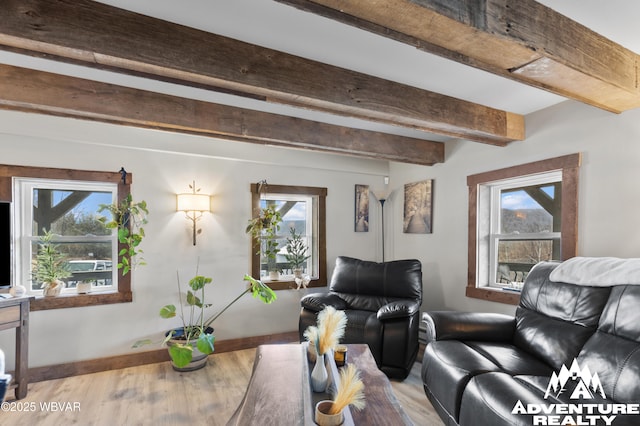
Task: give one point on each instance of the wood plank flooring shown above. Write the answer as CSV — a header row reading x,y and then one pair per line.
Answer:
x,y
154,394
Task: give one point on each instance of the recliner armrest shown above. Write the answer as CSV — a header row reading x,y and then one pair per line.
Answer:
x,y
318,301
398,309
481,326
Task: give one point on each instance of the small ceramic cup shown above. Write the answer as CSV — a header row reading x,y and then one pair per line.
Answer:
x,y
324,419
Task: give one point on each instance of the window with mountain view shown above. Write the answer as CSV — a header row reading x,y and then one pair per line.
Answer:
x,y
526,228
518,217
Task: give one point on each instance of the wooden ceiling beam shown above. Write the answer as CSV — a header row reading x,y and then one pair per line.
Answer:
x,y
519,39
29,90
98,35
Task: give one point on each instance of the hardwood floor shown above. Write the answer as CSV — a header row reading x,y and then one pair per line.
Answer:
x,y
155,394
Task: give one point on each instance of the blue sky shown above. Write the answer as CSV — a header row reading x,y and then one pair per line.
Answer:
x,y
520,200
89,205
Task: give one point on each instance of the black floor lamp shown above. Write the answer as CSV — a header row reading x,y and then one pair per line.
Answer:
x,y
382,196
382,200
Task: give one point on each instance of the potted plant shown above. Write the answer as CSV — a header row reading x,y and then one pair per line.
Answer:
x,y
264,230
127,217
50,267
296,252
190,345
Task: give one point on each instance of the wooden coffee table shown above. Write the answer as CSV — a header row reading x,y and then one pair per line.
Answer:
x,y
279,392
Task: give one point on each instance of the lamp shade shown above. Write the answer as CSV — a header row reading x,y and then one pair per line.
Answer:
x,y
193,203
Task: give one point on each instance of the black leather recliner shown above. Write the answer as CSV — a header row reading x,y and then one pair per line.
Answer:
x,y
382,303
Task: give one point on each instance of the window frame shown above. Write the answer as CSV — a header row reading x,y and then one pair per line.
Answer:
x,y
122,291
569,166
23,222
321,193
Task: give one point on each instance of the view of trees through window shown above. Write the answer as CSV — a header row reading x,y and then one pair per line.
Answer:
x,y
84,242
529,227
296,255
295,213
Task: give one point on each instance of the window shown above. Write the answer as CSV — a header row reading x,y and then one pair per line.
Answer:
x,y
70,196
518,217
69,210
301,209
524,226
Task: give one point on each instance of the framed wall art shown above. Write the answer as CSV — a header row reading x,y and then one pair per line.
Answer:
x,y
418,207
361,222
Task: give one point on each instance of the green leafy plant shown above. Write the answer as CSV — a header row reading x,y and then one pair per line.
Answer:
x,y
195,326
128,217
296,250
264,229
50,264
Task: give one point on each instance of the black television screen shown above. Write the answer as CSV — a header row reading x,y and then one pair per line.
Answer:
x,y
5,244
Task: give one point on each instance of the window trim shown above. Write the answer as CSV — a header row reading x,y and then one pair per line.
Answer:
x,y
321,193
123,293
570,166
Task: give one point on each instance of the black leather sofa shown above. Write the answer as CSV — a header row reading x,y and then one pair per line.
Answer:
x,y
492,369
382,304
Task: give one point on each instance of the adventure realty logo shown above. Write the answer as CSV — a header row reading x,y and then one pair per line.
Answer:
x,y
582,386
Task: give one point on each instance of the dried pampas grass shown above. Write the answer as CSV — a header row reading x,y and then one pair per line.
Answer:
x,y
350,391
331,325
311,334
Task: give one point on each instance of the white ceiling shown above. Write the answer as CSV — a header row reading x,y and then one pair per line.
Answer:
x,y
277,26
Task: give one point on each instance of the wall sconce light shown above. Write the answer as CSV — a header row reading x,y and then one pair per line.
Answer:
x,y
193,205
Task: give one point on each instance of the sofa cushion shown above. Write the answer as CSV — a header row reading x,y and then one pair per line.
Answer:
x,y
539,384
554,341
577,304
370,285
448,365
510,358
490,398
617,362
621,315
554,320
614,350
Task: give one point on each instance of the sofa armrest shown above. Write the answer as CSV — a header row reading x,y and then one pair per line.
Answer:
x,y
318,301
398,309
455,325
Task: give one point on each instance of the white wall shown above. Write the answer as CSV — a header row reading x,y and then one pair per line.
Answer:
x,y
609,194
608,216
224,169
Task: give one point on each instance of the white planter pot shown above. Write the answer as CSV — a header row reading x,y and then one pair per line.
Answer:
x,y
83,287
53,288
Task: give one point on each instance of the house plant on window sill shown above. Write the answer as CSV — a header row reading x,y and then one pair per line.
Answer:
x,y
264,230
296,252
190,345
50,267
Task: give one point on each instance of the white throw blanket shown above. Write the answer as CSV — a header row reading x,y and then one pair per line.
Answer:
x,y
598,271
